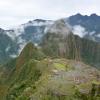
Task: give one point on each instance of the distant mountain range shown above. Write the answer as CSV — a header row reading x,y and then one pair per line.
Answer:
x,y
49,60
13,40
89,26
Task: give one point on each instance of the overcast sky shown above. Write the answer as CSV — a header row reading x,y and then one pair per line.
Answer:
x,y
14,12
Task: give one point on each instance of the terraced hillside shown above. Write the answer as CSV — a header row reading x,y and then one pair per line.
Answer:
x,y
45,78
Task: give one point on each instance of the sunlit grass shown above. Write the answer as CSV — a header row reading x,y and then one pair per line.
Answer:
x,y
60,66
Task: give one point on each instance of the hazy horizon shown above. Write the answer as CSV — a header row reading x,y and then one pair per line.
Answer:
x,y
16,12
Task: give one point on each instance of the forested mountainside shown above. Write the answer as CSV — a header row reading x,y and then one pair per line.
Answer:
x,y
61,66
34,76
63,43
13,40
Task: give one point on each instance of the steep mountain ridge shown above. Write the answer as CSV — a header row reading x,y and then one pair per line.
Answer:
x,y
55,67
8,47
71,46
59,27
29,52
50,79
34,31
15,39
19,69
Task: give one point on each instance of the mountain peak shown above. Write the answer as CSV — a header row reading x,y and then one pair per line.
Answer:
x,y
1,30
29,52
59,27
93,15
40,20
26,54
78,14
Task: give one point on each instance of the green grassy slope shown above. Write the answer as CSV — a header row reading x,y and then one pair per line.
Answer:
x,y
56,79
42,78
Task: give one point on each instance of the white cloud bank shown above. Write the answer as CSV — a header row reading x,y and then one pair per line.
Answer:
x,y
79,30
14,12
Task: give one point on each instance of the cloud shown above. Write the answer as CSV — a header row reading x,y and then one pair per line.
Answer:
x,y
14,12
79,30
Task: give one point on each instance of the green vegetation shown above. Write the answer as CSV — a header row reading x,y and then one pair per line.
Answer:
x,y
59,66
35,76
53,70
71,47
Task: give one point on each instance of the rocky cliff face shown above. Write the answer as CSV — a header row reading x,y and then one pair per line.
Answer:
x,y
70,46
